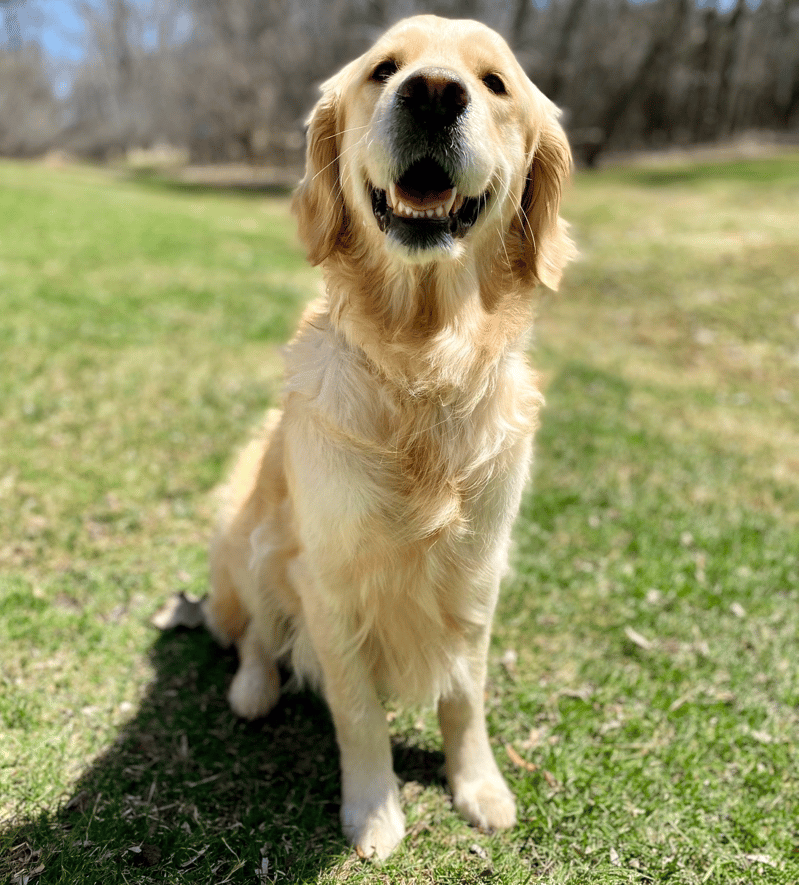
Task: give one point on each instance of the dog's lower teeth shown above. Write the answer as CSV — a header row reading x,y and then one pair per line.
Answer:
x,y
458,222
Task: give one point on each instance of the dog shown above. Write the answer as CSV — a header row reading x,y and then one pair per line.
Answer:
x,y
366,530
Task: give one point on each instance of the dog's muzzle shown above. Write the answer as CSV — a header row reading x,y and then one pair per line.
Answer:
x,y
423,208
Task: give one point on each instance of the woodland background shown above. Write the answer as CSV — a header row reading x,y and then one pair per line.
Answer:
x,y
227,81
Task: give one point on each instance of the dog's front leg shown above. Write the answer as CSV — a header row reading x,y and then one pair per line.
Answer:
x,y
371,815
479,792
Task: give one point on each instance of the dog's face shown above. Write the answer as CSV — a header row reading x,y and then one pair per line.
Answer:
x,y
433,139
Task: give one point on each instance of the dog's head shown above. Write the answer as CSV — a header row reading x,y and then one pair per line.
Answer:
x,y
433,140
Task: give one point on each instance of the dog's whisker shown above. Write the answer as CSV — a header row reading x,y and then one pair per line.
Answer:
x,y
498,198
333,162
340,132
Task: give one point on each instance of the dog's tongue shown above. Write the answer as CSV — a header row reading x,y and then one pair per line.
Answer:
x,y
421,201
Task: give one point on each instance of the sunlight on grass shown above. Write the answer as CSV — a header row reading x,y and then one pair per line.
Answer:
x,y
643,678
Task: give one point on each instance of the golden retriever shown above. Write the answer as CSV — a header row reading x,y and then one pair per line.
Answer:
x,y
366,532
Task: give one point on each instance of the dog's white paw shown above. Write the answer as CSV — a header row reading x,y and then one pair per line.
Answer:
x,y
486,803
374,828
255,690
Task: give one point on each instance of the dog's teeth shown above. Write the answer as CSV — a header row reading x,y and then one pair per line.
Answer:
x,y
399,208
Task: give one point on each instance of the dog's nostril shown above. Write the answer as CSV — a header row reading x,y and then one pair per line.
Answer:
x,y
435,96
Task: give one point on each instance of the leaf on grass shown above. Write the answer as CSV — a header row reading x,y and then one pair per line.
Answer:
x,y
762,737
205,780
738,610
761,858
480,851
551,781
26,876
193,860
179,611
509,662
23,855
683,699
514,756
584,693
80,802
637,639
535,737
613,856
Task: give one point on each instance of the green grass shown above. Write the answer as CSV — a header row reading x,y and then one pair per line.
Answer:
x,y
643,672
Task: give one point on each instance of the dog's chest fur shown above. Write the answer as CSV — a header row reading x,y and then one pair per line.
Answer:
x,y
412,500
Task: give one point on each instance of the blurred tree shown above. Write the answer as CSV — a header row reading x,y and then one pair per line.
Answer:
x,y
29,112
233,79
11,22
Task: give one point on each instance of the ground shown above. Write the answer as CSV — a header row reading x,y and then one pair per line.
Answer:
x,y
643,675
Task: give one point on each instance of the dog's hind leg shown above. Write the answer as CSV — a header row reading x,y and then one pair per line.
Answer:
x,y
224,614
256,686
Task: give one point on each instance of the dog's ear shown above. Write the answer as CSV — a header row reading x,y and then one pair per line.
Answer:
x,y
318,202
547,245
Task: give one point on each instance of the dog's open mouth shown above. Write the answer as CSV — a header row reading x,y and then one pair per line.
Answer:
x,y
423,208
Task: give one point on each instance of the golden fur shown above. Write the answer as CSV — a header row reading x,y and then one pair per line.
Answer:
x,y
366,531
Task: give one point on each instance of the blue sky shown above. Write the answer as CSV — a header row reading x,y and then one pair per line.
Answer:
x,y
53,23
62,31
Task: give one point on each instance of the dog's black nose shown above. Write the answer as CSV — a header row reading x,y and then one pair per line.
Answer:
x,y
434,96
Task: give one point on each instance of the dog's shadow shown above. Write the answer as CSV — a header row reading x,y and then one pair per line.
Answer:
x,y
187,786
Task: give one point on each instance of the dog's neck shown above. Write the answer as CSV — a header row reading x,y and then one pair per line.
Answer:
x,y
437,329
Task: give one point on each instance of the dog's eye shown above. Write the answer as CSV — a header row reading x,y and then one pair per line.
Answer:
x,y
384,70
494,84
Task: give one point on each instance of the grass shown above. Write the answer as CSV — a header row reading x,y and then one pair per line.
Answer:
x,y
643,678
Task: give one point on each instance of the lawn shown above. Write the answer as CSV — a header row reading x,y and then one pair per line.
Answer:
x,y
643,675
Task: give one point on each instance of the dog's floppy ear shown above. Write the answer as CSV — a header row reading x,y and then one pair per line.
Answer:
x,y
546,243
318,201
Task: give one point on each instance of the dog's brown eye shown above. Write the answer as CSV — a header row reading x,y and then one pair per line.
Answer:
x,y
494,84
384,70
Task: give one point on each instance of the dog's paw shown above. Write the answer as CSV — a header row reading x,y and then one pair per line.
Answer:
x,y
487,804
375,829
255,690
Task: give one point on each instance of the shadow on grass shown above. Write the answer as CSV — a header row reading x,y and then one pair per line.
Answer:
x,y
188,792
